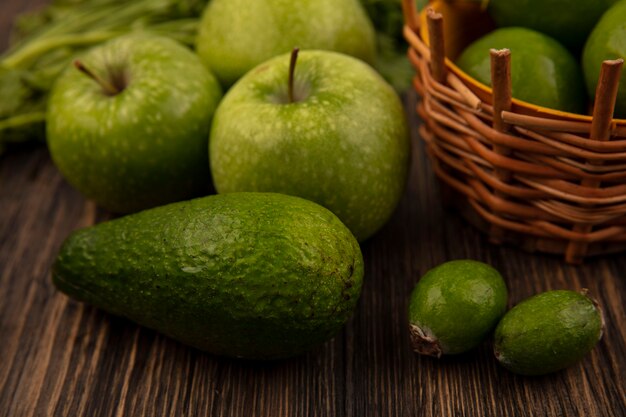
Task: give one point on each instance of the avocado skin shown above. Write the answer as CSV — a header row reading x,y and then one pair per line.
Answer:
x,y
248,275
548,332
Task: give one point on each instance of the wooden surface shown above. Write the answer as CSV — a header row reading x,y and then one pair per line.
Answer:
x,y
62,358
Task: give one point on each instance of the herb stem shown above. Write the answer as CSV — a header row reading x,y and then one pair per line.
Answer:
x,y
41,46
22,119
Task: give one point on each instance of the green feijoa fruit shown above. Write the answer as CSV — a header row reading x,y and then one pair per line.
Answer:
x,y
548,332
543,72
455,306
568,21
607,41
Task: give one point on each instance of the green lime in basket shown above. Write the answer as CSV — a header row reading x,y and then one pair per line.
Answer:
x,y
568,21
543,72
607,41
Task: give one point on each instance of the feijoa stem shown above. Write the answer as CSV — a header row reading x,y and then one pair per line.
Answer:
x,y
108,87
423,343
596,304
292,70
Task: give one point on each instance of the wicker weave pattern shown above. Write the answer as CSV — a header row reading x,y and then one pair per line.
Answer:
x,y
541,182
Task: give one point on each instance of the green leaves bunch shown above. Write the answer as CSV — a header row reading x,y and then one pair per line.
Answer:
x,y
44,42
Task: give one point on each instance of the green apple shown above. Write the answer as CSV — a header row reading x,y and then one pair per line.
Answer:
x,y
607,41
568,21
237,35
333,132
128,125
543,72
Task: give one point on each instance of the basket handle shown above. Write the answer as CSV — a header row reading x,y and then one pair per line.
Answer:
x,y
502,96
409,10
438,68
604,106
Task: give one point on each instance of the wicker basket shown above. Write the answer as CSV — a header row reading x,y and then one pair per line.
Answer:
x,y
546,180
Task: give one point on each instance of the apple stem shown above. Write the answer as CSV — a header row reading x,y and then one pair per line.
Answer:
x,y
108,87
292,70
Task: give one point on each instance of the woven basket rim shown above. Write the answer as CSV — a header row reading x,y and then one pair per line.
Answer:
x,y
534,108
530,108
543,179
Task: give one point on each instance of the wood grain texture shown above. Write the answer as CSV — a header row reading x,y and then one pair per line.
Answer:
x,y
62,358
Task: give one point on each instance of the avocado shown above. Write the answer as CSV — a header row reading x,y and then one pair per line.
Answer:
x,y
548,332
248,275
455,306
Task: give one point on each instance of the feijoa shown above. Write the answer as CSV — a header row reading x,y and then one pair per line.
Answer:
x,y
607,41
455,306
568,21
548,332
543,72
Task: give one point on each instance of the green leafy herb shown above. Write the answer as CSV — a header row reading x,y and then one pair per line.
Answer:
x,y
388,21
44,42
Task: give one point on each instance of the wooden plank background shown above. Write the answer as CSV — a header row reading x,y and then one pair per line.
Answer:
x,y
62,358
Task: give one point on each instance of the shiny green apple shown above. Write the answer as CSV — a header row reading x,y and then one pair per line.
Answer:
x,y
237,35
128,125
341,140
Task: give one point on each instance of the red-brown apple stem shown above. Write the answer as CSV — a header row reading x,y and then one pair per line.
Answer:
x,y
108,87
292,70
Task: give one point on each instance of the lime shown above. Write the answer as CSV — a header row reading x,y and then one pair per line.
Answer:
x,y
568,21
455,306
607,41
543,72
